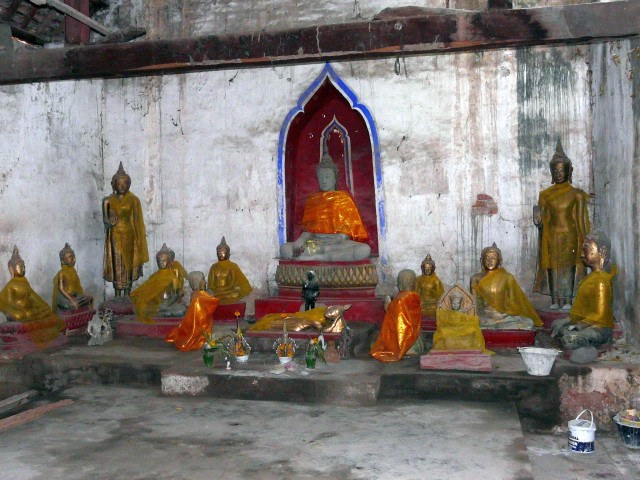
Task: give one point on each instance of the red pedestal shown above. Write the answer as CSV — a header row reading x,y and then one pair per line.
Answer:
x,y
226,313
160,328
470,360
550,316
77,319
120,306
508,338
14,339
428,324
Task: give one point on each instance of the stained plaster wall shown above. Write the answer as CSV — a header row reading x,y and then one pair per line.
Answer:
x,y
201,149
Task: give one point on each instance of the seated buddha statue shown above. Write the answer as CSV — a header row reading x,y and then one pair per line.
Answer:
x,y
67,289
20,303
332,227
160,295
590,321
226,281
401,326
429,287
501,303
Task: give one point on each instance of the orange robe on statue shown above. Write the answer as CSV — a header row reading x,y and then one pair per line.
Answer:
x,y
199,317
400,328
333,212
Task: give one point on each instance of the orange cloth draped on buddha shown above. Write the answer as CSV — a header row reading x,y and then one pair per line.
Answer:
x,y
561,249
500,290
593,302
430,288
227,282
400,328
148,297
70,279
19,302
199,318
125,246
333,212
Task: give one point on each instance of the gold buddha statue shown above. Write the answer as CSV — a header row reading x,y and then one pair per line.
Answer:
x,y
332,227
590,321
429,287
402,324
125,246
160,295
563,220
67,289
226,281
20,303
500,302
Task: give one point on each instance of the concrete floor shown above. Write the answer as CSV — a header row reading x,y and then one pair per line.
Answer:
x,y
114,432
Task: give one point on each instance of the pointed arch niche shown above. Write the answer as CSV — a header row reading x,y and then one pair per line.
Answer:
x,y
329,111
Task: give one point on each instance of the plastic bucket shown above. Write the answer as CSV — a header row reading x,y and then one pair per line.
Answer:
x,y
629,432
538,360
582,434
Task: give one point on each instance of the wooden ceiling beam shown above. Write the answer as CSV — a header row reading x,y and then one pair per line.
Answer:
x,y
425,33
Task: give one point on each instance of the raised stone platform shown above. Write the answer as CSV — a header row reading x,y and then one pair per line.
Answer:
x,y
16,339
119,306
130,326
466,360
77,319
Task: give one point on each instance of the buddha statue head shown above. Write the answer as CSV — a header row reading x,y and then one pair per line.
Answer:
x,y
406,280
197,281
456,301
560,166
491,257
595,250
428,266
164,257
67,256
327,172
121,181
223,251
16,264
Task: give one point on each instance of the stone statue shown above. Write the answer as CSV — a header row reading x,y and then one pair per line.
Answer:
x,y
20,303
401,327
125,246
226,280
429,287
500,301
562,216
199,317
160,295
99,328
590,321
310,291
67,289
331,224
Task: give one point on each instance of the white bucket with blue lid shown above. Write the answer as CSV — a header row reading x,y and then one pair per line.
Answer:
x,y
582,434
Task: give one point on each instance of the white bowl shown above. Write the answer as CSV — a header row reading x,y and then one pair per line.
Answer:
x,y
242,359
284,360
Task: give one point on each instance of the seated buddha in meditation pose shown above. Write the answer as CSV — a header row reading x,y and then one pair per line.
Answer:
x,y
199,317
402,322
160,295
429,287
20,303
331,224
590,321
500,302
226,281
67,289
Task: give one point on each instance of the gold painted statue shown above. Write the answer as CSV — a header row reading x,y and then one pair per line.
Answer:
x,y
332,227
563,219
67,289
160,295
326,319
20,303
590,321
226,281
429,287
125,245
500,301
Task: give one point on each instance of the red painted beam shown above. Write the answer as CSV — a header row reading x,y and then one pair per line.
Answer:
x,y
425,33
76,32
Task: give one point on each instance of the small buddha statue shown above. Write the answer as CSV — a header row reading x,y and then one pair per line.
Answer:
x,y
590,321
500,302
226,281
332,227
160,295
401,326
67,289
562,217
310,291
199,317
429,287
125,246
20,303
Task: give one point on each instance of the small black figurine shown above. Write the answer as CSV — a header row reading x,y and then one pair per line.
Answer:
x,y
310,291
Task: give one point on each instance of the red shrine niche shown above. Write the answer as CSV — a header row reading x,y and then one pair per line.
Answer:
x,y
328,116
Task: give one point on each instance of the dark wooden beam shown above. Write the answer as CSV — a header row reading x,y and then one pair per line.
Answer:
x,y
76,32
10,10
402,35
